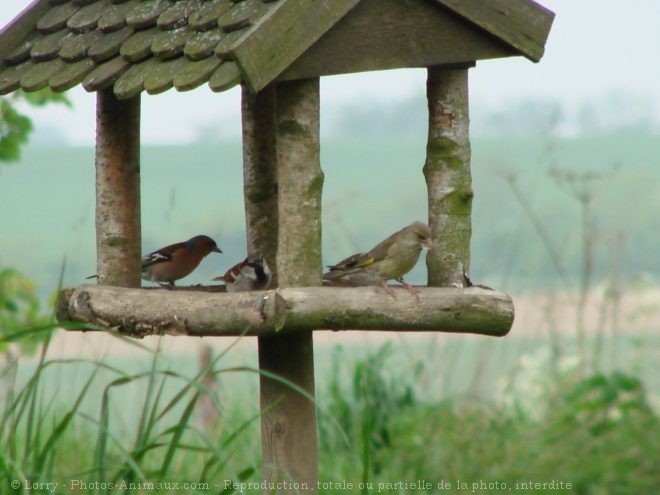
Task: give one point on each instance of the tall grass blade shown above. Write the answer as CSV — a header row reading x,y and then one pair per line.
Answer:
x,y
49,447
366,442
217,454
177,434
126,455
295,387
242,477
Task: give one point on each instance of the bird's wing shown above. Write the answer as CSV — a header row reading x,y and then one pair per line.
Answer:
x,y
360,260
382,250
160,256
356,261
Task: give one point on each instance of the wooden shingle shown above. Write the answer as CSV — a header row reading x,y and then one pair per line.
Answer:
x,y
88,17
106,74
115,17
72,75
75,48
22,52
56,18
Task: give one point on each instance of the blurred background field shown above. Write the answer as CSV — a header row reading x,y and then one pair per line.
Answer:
x,y
372,188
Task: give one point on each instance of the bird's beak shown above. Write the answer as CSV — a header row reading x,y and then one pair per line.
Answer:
x,y
216,250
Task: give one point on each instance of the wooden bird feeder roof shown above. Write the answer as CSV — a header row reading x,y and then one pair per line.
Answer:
x,y
154,45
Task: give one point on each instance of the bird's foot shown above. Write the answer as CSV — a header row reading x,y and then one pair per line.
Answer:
x,y
387,288
409,287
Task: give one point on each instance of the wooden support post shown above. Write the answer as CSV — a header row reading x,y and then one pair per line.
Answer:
x,y
118,236
448,178
260,173
288,430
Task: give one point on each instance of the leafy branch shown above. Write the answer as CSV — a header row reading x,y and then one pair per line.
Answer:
x,y
15,127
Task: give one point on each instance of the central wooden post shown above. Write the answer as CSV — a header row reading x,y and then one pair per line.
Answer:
x,y
283,164
118,235
448,177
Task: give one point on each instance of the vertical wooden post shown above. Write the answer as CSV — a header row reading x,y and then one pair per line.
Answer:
x,y
448,178
288,430
118,235
260,173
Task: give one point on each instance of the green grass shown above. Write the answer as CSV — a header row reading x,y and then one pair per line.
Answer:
x,y
590,432
45,439
383,427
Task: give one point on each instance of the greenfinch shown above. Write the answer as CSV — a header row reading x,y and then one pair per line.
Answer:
x,y
389,260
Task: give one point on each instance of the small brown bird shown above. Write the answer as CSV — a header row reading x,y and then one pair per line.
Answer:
x,y
391,259
176,261
252,273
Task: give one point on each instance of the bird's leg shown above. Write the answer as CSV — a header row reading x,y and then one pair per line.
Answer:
x,y
409,287
387,289
167,285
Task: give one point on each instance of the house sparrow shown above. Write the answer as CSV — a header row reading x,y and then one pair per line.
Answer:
x,y
391,259
250,274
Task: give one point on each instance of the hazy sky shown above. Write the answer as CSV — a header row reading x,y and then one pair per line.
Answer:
x,y
595,47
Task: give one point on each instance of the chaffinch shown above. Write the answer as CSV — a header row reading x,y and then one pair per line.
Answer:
x,y
391,259
252,273
176,261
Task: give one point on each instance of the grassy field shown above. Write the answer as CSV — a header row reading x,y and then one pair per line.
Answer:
x,y
394,411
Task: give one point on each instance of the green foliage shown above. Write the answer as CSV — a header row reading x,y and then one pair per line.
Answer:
x,y
44,97
594,433
367,411
608,425
20,318
15,127
600,403
43,439
598,433
14,131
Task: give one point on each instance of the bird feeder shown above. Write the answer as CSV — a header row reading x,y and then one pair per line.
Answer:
x,y
277,50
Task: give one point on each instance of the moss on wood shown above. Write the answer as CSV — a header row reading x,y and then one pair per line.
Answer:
x,y
448,177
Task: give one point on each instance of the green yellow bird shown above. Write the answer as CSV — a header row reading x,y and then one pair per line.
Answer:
x,y
389,260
